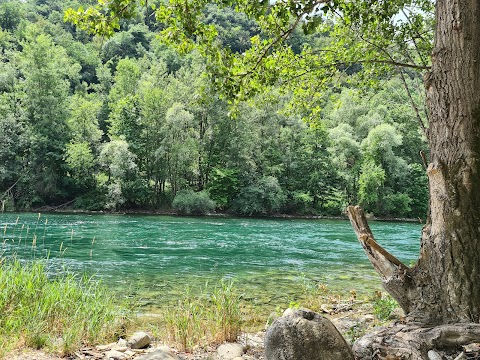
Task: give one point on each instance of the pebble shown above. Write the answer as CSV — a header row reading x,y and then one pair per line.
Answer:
x,y
158,354
254,341
114,355
105,347
122,343
139,340
230,351
433,355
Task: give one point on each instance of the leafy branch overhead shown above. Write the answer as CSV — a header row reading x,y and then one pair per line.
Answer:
x,y
374,36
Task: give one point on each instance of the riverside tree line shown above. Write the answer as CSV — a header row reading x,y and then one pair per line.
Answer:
x,y
126,122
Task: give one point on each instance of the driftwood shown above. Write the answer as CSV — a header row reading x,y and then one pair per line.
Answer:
x,y
408,341
413,342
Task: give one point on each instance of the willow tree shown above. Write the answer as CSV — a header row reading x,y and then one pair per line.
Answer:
x,y
441,292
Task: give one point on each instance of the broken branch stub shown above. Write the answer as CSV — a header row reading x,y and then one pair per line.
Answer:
x,y
384,263
394,273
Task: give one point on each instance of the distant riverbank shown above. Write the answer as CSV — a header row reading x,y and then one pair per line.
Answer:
x,y
170,212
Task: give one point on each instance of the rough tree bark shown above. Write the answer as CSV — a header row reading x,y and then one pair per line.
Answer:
x,y
447,277
415,339
444,286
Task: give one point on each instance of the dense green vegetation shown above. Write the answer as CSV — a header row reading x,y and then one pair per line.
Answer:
x,y
59,314
128,123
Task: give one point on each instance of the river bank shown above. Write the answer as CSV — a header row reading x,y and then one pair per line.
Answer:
x,y
170,212
352,318
192,329
165,262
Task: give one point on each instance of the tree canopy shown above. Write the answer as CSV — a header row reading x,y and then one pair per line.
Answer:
x,y
127,121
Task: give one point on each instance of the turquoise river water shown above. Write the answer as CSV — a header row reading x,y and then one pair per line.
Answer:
x,y
157,257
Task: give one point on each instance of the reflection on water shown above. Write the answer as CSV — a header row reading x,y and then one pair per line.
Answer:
x,y
158,256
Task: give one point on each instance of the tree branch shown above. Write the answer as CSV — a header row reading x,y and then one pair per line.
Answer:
x,y
284,36
412,102
384,263
10,188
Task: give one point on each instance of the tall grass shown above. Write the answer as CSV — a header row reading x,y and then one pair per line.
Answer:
x,y
59,314
205,317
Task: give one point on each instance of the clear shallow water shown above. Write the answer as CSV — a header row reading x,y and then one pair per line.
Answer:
x,y
157,257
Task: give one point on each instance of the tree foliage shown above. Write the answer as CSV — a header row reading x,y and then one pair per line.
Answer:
x,y
133,119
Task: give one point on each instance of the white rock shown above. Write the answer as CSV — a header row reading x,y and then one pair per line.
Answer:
x,y
366,318
254,340
114,355
288,312
105,347
122,343
433,355
139,340
164,348
120,348
158,355
230,351
325,309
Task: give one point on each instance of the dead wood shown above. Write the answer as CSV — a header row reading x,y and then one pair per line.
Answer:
x,y
413,342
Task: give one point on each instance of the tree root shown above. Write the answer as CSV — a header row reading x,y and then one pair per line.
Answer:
x,y
413,342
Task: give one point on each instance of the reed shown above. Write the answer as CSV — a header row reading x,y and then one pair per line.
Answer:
x,y
204,317
59,314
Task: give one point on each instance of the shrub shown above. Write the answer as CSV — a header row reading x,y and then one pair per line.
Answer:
x,y
265,196
223,186
397,204
93,200
383,306
188,202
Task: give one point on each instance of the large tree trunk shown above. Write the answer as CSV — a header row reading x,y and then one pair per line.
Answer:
x,y
444,286
447,277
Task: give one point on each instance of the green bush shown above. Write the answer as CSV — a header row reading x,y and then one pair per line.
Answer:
x,y
223,186
300,202
189,202
264,197
383,306
92,201
396,205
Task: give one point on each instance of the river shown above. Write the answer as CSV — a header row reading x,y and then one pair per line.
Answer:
x,y
156,257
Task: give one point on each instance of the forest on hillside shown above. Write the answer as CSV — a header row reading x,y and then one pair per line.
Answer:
x,y
128,123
